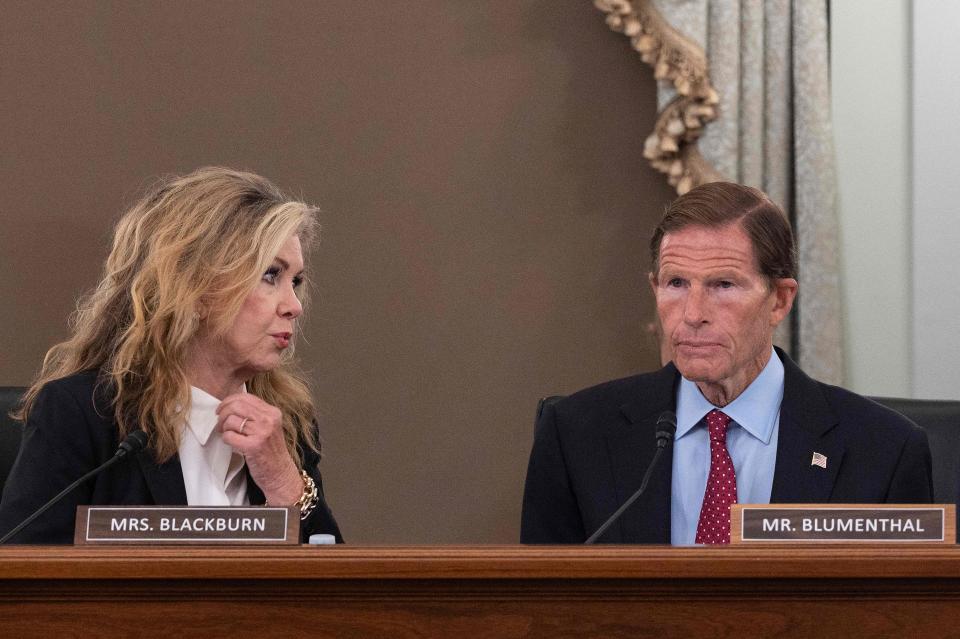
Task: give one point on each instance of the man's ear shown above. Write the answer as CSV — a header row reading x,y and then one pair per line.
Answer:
x,y
652,278
785,292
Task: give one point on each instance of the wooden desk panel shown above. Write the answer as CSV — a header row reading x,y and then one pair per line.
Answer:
x,y
467,592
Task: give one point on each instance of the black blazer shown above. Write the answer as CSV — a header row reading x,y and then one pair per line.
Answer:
x,y
69,432
591,449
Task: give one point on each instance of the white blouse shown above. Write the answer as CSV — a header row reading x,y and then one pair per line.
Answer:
x,y
213,473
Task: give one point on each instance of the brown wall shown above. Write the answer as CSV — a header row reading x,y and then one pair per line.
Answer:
x,y
486,210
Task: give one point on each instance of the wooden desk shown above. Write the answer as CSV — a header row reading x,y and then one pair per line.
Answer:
x,y
476,592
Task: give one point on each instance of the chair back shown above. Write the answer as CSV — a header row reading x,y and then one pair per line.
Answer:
x,y
941,420
11,430
543,403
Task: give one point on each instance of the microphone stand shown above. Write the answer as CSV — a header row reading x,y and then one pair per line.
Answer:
x,y
132,444
667,424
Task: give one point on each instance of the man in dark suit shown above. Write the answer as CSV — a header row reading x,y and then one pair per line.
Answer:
x,y
751,426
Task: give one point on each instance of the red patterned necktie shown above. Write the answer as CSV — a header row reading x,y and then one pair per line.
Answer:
x,y
714,525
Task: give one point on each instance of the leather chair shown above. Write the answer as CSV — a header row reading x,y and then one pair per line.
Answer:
x,y
544,401
939,418
10,430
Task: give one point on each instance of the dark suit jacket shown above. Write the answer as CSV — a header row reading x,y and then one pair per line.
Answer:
x,y
591,449
70,432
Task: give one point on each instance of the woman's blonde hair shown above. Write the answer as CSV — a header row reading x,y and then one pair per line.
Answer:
x,y
189,251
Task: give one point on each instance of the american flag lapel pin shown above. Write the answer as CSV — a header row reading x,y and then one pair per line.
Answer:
x,y
819,459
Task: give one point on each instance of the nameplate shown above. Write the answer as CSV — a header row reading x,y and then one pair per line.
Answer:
x,y
187,525
843,523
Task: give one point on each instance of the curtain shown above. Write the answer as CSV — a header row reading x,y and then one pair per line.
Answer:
x,y
744,96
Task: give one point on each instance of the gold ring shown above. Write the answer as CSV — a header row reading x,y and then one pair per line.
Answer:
x,y
243,423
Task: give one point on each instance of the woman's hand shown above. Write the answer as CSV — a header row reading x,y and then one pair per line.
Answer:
x,y
254,428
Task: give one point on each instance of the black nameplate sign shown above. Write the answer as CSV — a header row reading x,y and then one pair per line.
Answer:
x,y
844,523
187,525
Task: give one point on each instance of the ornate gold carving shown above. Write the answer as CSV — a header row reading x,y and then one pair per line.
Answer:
x,y
671,148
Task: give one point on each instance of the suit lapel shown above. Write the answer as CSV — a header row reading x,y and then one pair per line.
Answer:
x,y
631,444
806,425
165,481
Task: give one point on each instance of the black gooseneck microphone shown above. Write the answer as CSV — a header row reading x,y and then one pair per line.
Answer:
x,y
132,444
666,429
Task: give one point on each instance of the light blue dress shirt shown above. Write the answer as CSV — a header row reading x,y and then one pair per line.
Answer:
x,y
751,440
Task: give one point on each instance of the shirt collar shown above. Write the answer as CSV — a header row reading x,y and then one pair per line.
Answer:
x,y
756,409
202,418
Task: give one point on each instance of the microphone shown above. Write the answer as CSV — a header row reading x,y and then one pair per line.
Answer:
x,y
132,444
666,428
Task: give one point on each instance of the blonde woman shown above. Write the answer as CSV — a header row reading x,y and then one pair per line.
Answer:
x,y
189,336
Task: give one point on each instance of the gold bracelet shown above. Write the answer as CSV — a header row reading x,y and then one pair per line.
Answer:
x,y
310,497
